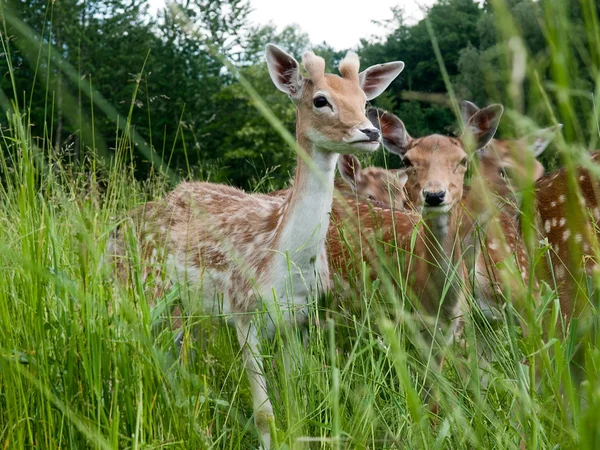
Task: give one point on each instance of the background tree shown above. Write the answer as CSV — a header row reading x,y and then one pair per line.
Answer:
x,y
194,114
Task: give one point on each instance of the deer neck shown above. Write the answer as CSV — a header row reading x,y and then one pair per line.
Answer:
x,y
439,229
442,248
305,214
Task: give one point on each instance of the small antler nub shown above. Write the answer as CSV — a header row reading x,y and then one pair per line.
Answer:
x,y
349,66
314,65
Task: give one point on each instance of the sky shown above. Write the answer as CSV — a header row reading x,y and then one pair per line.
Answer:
x,y
341,23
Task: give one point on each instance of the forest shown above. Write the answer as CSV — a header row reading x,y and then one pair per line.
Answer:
x,y
191,115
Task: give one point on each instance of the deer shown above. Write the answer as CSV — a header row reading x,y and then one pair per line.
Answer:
x,y
435,166
568,217
253,259
505,169
435,171
376,185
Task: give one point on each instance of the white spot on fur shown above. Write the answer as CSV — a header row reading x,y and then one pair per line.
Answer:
x,y
578,238
553,204
566,235
554,222
153,257
561,198
547,226
562,221
493,245
560,272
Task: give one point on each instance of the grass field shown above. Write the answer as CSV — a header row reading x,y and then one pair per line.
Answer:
x,y
82,365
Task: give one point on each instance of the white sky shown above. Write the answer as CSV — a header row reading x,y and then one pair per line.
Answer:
x,y
342,23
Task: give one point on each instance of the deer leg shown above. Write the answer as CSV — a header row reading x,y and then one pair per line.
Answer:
x,y
263,410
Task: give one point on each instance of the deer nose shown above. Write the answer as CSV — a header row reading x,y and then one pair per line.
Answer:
x,y
435,198
372,133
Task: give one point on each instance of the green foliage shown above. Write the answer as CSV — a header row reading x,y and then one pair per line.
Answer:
x,y
192,113
453,22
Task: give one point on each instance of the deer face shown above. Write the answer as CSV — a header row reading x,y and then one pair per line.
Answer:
x,y
376,185
435,165
509,166
330,108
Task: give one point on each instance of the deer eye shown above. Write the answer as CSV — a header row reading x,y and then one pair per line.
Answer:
x,y
504,172
320,101
463,162
370,198
407,162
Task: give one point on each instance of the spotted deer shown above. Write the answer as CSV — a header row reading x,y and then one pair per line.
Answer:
x,y
249,257
505,169
435,170
568,216
376,185
435,167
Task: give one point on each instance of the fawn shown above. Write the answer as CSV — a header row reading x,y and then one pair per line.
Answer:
x,y
248,256
505,169
435,170
435,167
568,216
378,186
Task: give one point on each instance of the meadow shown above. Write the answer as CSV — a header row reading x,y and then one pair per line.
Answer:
x,y
85,362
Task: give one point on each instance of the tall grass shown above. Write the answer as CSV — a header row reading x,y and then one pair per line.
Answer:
x,y
82,365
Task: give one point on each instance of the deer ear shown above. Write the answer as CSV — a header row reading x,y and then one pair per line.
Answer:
x,y
284,71
349,167
401,177
395,136
538,141
376,79
468,110
483,124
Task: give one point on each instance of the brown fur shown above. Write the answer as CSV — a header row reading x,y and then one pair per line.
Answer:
x,y
570,221
504,169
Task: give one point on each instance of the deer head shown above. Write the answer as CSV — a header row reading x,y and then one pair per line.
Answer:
x,y
435,164
331,109
508,166
376,185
